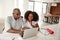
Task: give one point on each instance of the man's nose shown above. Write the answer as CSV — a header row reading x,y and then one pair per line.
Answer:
x,y
18,15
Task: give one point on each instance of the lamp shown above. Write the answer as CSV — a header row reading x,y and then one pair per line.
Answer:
x,y
53,4
47,1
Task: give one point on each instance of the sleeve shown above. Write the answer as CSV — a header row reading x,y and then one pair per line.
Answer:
x,y
27,25
7,25
23,23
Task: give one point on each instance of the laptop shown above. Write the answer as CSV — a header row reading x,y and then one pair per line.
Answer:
x,y
30,33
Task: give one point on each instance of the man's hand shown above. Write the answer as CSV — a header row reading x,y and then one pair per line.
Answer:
x,y
15,31
21,32
25,28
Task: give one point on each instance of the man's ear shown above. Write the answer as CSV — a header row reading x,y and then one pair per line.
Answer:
x,y
12,13
21,16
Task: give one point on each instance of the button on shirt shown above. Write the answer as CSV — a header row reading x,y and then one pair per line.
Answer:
x,y
10,22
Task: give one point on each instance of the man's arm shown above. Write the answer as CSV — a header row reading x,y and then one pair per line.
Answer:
x,y
25,28
15,31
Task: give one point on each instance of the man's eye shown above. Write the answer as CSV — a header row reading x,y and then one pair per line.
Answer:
x,y
17,14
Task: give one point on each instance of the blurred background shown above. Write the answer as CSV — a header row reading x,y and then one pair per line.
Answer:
x,y
42,7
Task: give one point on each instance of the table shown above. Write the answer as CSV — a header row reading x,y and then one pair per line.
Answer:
x,y
39,36
9,36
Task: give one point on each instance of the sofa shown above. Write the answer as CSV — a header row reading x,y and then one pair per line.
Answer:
x,y
1,25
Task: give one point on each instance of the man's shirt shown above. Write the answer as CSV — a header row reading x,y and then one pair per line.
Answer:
x,y
10,22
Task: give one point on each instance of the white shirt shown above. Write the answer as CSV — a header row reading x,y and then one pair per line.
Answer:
x,y
10,22
27,24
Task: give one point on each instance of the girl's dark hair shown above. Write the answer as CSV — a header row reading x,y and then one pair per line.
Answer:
x,y
27,14
35,15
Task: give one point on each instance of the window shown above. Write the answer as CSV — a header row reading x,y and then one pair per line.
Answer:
x,y
30,6
20,6
37,6
44,7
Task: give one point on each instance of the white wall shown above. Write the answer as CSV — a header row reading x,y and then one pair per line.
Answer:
x,y
6,7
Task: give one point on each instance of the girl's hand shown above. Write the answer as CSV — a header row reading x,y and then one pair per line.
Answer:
x,y
35,26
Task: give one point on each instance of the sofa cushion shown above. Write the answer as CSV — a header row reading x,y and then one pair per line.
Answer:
x,y
1,25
